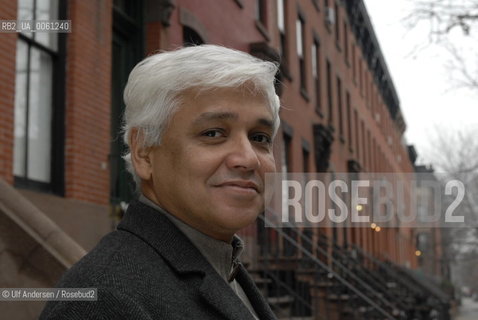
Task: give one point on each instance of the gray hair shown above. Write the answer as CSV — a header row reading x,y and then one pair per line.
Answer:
x,y
152,94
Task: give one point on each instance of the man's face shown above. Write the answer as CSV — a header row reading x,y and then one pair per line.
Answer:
x,y
209,169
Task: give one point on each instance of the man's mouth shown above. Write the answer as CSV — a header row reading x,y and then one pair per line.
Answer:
x,y
241,185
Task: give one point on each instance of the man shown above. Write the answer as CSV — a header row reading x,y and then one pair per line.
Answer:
x,y
199,123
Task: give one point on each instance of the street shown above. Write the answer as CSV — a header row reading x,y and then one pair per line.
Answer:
x,y
468,310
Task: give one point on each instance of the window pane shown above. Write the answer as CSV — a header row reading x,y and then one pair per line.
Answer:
x,y
39,122
25,9
298,27
47,10
314,60
280,15
25,12
258,10
20,109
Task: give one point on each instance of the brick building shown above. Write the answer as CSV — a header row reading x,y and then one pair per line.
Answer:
x,y
63,180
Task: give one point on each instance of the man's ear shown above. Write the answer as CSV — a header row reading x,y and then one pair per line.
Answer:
x,y
140,156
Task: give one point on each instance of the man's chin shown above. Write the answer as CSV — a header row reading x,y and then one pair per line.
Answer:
x,y
237,219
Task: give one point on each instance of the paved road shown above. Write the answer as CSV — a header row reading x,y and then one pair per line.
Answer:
x,y
468,310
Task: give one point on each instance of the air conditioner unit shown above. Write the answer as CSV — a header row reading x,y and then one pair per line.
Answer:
x,y
330,15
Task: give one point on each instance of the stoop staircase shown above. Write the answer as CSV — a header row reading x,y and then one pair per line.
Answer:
x,y
339,283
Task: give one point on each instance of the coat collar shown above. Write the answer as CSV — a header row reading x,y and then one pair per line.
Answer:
x,y
184,258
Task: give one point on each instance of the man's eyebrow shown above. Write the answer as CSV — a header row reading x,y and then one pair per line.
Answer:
x,y
266,122
208,116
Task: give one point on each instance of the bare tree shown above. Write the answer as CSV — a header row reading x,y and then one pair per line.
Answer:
x,y
455,157
444,18
463,72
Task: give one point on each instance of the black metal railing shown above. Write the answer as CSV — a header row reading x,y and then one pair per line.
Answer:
x,y
352,282
363,300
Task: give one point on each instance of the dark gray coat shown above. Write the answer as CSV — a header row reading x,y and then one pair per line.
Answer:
x,y
148,269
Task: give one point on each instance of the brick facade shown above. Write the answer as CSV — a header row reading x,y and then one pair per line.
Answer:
x,y
88,101
8,44
368,134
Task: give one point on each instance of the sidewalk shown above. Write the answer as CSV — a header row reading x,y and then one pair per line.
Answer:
x,y
468,310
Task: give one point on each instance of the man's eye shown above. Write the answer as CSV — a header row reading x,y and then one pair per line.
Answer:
x,y
261,138
213,133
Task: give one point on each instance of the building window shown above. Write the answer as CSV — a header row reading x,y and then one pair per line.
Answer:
x,y
337,25
360,77
346,43
261,12
340,110
315,54
367,87
329,93
281,27
288,248
349,120
372,96
300,28
261,18
374,155
369,151
357,142
240,3
354,65
364,145
371,92
286,154
191,37
305,159
316,4
37,68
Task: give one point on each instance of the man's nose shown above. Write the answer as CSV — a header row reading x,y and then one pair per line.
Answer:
x,y
243,155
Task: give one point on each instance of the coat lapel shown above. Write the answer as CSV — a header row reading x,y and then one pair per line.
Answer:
x,y
258,302
180,253
220,296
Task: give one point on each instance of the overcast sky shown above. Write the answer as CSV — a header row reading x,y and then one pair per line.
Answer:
x,y
421,78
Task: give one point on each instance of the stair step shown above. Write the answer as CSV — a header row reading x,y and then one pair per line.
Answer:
x,y
261,281
280,300
338,297
323,284
312,271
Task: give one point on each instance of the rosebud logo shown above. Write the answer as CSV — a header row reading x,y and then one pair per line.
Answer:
x,y
342,200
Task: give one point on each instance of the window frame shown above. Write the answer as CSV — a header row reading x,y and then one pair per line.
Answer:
x,y
301,52
56,182
316,74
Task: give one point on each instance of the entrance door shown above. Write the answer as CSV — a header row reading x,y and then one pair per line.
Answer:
x,y
127,51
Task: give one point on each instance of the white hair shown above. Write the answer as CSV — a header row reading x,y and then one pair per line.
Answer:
x,y
153,92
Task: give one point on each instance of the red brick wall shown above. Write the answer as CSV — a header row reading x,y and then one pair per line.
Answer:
x,y
226,24
88,101
8,44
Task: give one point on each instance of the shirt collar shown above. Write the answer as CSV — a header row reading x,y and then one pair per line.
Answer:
x,y
223,256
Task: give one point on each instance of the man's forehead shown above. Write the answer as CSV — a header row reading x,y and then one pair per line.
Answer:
x,y
234,116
